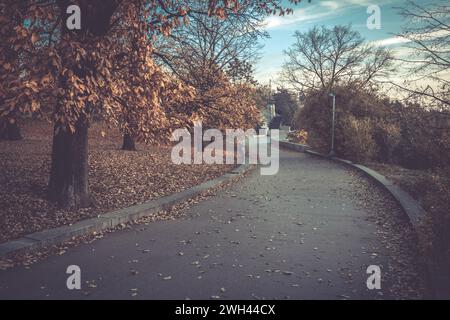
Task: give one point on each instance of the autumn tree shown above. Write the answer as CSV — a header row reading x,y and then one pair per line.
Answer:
x,y
11,69
324,57
241,72
263,95
146,91
226,105
215,56
72,77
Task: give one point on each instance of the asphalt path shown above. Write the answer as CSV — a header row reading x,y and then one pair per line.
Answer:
x,y
299,234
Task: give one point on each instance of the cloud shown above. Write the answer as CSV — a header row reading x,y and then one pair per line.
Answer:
x,y
299,15
269,74
315,11
396,40
403,52
332,5
390,41
360,2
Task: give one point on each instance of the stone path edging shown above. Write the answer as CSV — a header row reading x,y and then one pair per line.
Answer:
x,y
112,219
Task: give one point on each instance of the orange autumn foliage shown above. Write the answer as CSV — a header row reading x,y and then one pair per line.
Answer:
x,y
63,74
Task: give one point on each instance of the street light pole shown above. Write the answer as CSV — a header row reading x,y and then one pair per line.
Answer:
x,y
332,153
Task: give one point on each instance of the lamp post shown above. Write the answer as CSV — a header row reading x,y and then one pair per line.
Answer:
x,y
332,153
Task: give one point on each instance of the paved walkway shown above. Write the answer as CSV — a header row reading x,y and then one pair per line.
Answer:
x,y
295,235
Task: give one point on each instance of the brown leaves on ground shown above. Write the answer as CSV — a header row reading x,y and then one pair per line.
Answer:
x,y
117,178
27,258
431,188
404,271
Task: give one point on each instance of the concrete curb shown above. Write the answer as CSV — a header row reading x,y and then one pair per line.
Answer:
x,y
112,219
408,204
293,146
439,276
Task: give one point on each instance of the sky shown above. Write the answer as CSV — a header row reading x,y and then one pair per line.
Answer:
x,y
328,13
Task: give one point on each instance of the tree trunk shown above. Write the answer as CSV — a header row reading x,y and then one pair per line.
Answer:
x,y
9,130
68,184
128,142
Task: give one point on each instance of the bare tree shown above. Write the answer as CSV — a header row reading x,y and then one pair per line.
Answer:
x,y
427,34
324,57
207,43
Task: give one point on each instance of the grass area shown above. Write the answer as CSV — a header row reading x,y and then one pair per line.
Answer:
x,y
117,178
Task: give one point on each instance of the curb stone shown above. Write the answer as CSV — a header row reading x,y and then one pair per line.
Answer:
x,y
293,146
112,219
438,275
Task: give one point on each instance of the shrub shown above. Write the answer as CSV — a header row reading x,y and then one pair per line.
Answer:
x,y
370,127
386,136
225,105
298,136
424,139
354,129
355,138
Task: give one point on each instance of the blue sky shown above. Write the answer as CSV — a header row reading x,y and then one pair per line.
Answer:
x,y
328,13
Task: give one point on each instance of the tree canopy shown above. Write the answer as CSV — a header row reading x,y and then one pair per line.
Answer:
x,y
106,68
323,57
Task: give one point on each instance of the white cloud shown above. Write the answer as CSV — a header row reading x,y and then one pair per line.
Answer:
x,y
332,5
400,40
314,11
403,52
360,2
299,15
390,41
